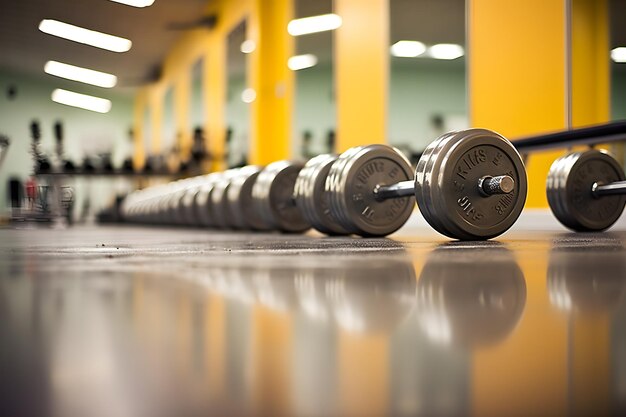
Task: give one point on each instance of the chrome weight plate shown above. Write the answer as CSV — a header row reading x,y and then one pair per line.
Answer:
x,y
240,201
273,197
354,178
424,166
452,201
312,198
201,203
569,190
333,186
219,202
187,208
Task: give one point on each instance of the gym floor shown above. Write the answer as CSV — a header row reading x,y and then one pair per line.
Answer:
x,y
140,321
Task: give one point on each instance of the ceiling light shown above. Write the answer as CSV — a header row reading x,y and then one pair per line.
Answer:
x,y
407,49
135,3
446,51
248,46
248,95
83,75
86,36
299,62
619,54
313,24
82,101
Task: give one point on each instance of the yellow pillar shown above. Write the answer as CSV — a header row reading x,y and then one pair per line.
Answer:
x,y
362,71
156,119
271,80
590,62
518,71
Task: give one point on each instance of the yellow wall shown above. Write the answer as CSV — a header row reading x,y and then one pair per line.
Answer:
x,y
362,72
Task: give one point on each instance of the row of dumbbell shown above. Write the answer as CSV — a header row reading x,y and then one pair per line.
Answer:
x,y
469,185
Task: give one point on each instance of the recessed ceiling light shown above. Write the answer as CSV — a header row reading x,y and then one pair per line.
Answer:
x,y
248,46
299,62
85,36
135,3
407,49
83,75
314,24
446,51
619,54
83,101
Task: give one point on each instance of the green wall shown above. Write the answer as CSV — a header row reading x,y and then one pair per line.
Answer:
x,y
86,132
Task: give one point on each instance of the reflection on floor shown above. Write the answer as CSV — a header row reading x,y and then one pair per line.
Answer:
x,y
162,322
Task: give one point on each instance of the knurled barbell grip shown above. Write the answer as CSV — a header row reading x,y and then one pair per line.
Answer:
x,y
614,188
501,184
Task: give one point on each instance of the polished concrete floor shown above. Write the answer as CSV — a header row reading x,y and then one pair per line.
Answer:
x,y
138,321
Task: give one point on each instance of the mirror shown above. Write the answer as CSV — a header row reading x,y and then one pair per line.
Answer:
x,y
239,97
197,118
169,145
618,69
314,118
427,79
197,102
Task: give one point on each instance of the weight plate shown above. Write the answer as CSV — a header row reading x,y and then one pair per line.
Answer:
x,y
240,201
187,208
352,193
424,167
333,186
202,206
219,202
554,182
458,209
569,190
312,198
273,196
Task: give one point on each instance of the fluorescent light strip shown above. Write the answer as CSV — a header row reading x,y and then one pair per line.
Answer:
x,y
299,62
82,101
83,75
446,51
407,49
135,3
314,24
619,54
85,36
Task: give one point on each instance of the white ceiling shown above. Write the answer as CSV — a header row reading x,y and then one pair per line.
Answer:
x,y
24,49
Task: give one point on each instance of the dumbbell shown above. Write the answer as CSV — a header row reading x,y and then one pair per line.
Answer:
x,y
202,207
586,190
311,197
469,185
222,216
240,201
272,197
